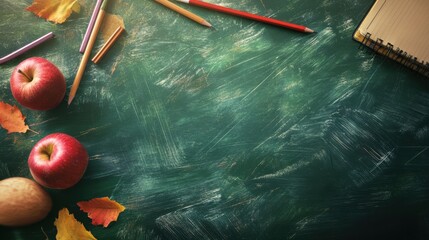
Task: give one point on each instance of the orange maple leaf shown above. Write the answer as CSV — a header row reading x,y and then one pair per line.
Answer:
x,y
68,228
56,11
102,211
12,119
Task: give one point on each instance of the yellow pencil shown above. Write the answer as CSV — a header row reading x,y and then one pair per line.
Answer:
x,y
87,52
184,12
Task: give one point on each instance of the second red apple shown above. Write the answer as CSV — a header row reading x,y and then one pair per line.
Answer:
x,y
58,161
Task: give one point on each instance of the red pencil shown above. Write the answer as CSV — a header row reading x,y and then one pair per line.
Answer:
x,y
247,15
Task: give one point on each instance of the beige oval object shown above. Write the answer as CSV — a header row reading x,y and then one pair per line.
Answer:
x,y
22,202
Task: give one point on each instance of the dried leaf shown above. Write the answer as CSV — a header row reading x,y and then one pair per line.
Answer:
x,y
110,23
56,11
102,211
12,119
68,228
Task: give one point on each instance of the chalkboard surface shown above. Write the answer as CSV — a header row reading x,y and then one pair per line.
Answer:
x,y
244,131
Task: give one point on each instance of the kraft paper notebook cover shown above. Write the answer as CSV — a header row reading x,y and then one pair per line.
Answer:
x,y
399,30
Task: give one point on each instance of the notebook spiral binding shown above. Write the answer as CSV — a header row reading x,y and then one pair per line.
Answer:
x,y
397,54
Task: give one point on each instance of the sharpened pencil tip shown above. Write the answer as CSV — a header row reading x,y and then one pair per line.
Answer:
x,y
308,30
70,100
207,24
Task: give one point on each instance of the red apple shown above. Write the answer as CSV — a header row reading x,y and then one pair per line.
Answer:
x,y
58,161
37,84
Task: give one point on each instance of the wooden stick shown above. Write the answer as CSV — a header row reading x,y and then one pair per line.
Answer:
x,y
108,44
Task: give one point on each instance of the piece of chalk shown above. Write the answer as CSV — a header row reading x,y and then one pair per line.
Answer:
x,y
108,44
27,47
90,26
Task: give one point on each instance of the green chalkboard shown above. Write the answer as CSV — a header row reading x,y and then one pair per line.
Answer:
x,y
244,131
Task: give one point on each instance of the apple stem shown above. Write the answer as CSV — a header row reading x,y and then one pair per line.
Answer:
x,y
25,75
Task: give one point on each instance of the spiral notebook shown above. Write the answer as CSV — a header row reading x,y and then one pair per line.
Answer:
x,y
398,29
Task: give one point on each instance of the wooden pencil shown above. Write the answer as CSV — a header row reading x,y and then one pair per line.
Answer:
x,y
184,12
87,52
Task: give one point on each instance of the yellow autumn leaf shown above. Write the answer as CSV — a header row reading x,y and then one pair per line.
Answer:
x,y
68,228
12,119
56,11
